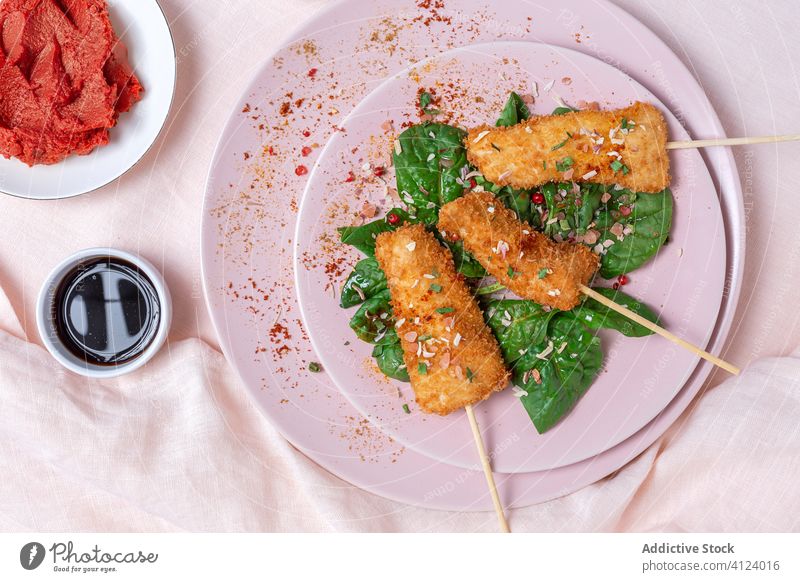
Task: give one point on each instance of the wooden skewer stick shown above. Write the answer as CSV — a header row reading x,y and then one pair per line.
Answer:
x,y
658,329
487,469
730,141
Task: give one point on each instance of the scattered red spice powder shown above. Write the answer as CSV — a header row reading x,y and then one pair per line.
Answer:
x,y
279,331
336,267
433,7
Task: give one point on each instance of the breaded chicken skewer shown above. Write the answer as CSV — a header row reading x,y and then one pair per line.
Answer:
x,y
533,266
453,359
524,260
623,146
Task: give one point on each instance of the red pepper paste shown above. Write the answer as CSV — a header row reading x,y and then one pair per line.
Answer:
x,y
64,78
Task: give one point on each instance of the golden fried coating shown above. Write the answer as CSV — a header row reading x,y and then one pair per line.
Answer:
x,y
527,262
452,357
623,146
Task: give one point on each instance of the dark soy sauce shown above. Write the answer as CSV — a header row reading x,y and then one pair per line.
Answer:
x,y
107,311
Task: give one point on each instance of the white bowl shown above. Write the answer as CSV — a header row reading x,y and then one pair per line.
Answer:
x,y
143,27
45,314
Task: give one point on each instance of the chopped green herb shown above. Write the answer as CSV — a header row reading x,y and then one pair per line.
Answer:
x,y
425,100
444,310
422,369
569,134
436,288
559,145
616,165
424,338
625,123
489,289
544,164
542,273
563,110
470,374
495,147
625,170
512,273
564,164
406,409
314,367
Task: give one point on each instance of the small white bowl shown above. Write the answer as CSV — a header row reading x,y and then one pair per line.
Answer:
x,y
45,314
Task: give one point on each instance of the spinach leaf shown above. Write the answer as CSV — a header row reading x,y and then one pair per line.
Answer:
x,y
429,168
517,325
595,315
570,356
465,263
517,200
363,237
367,277
552,197
388,354
563,110
571,208
584,213
514,111
564,375
520,202
650,220
373,320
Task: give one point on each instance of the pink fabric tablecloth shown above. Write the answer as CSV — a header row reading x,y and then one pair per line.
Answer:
x,y
179,445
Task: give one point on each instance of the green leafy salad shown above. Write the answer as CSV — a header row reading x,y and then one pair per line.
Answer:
x,y
554,356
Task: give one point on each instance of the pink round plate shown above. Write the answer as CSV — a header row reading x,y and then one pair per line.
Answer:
x,y
684,283
298,100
